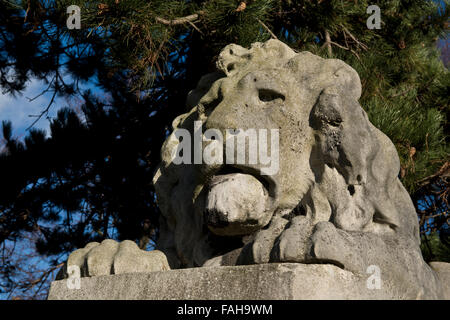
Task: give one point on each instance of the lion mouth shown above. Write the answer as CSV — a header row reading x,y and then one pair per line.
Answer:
x,y
268,182
238,202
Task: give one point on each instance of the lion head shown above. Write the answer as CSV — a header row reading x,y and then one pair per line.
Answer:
x,y
333,165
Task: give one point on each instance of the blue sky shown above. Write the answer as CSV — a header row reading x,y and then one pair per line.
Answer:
x,y
21,111
18,109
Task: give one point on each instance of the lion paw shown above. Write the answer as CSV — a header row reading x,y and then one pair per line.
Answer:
x,y
111,257
293,244
336,246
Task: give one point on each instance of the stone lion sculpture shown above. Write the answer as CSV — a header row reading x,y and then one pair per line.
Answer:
x,y
336,198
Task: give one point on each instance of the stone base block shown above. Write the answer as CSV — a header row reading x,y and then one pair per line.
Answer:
x,y
254,282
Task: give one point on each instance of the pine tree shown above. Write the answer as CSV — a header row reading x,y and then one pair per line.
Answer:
x,y
90,179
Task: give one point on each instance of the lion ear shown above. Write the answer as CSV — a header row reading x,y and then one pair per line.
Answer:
x,y
272,53
316,72
348,81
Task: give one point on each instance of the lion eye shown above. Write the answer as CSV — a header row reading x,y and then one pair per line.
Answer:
x,y
267,95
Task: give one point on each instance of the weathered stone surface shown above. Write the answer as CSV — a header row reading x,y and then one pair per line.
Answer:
x,y
255,282
235,205
443,272
336,198
111,257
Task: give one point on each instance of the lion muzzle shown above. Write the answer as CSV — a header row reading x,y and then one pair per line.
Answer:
x,y
236,204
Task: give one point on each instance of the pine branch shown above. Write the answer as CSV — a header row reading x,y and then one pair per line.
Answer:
x,y
444,171
345,48
328,43
45,111
362,45
177,21
267,29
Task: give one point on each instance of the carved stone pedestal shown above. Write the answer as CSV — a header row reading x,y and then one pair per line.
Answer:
x,y
253,282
